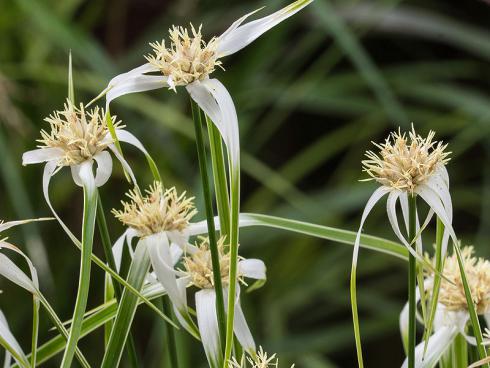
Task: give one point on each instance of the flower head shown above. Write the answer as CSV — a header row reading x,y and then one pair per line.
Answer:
x,y
404,163
452,294
187,59
262,360
78,133
160,210
199,266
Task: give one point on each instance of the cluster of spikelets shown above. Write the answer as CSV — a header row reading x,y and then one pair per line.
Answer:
x,y
405,162
159,210
187,59
477,270
80,134
261,360
198,266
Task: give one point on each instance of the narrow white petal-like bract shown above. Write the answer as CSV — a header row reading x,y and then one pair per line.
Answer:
x,y
252,268
208,325
10,343
124,164
161,260
104,168
10,271
437,345
213,98
49,171
239,36
133,81
118,247
242,331
86,176
375,197
42,155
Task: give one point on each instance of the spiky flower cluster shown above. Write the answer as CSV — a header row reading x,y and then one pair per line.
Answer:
x,y
187,59
199,266
262,360
477,270
160,210
404,163
80,134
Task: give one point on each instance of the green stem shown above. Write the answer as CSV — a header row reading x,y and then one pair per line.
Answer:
x,y
460,352
437,281
89,214
219,174
62,330
201,154
471,306
109,256
170,333
412,282
235,213
127,307
35,329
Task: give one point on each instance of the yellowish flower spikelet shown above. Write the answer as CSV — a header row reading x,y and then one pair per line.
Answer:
x,y
80,134
160,210
477,270
404,163
262,360
199,266
187,59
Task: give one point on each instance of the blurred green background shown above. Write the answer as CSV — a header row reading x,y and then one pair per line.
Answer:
x,y
311,95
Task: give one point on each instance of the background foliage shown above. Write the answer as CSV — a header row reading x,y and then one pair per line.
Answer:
x,y
310,95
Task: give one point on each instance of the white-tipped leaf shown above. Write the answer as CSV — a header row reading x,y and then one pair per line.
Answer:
x,y
104,168
239,36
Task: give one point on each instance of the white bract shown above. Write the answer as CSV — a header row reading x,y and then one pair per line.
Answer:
x,y
12,272
188,61
77,139
452,309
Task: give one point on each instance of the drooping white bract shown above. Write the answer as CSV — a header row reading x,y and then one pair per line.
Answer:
x,y
452,315
198,272
13,273
77,139
188,61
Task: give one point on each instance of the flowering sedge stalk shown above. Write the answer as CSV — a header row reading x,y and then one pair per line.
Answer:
x,y
201,154
88,227
116,288
453,310
412,282
407,167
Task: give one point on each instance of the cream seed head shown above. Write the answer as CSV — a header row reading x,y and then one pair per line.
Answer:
x,y
404,162
477,270
199,266
80,134
187,59
159,210
262,360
